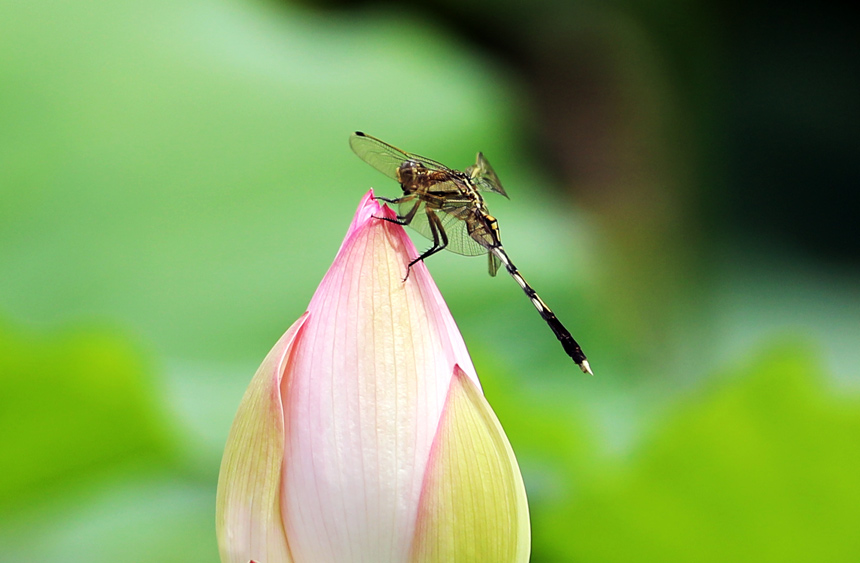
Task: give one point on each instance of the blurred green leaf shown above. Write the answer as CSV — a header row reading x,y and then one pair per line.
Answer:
x,y
135,519
185,164
74,406
759,466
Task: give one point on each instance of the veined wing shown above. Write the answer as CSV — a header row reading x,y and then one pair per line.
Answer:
x,y
467,233
455,224
384,157
484,177
455,228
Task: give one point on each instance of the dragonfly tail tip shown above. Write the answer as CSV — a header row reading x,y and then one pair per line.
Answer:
x,y
585,367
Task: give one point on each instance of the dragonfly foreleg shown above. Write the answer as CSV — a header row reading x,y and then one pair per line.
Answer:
x,y
387,200
405,219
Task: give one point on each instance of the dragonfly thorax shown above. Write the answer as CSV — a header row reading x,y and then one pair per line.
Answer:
x,y
415,177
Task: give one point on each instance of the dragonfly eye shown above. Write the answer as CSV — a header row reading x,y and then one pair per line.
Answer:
x,y
410,171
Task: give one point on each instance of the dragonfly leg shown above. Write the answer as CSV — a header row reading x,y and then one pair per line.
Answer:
x,y
404,220
440,240
387,200
396,221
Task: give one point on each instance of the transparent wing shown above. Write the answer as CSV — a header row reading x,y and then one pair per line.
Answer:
x,y
494,263
480,226
484,177
384,157
456,229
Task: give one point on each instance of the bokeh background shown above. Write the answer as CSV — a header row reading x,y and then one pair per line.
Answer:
x,y
175,180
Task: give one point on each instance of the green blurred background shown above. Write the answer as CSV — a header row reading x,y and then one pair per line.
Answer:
x,y
175,180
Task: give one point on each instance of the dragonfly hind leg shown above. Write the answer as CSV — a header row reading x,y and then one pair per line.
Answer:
x,y
440,240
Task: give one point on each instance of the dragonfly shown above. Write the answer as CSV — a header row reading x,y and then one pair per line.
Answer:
x,y
447,207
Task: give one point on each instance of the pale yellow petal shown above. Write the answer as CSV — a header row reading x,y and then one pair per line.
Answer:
x,y
473,504
248,515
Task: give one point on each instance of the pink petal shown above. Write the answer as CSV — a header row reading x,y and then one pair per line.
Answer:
x,y
363,401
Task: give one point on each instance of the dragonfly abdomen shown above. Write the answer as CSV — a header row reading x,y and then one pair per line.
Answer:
x,y
571,347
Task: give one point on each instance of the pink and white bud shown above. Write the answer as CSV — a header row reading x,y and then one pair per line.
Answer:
x,y
364,436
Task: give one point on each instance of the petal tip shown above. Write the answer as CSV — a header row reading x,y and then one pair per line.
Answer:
x,y
367,208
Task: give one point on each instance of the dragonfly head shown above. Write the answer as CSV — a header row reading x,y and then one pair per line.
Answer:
x,y
410,174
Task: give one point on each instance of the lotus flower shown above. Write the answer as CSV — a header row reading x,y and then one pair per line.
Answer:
x,y
365,436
